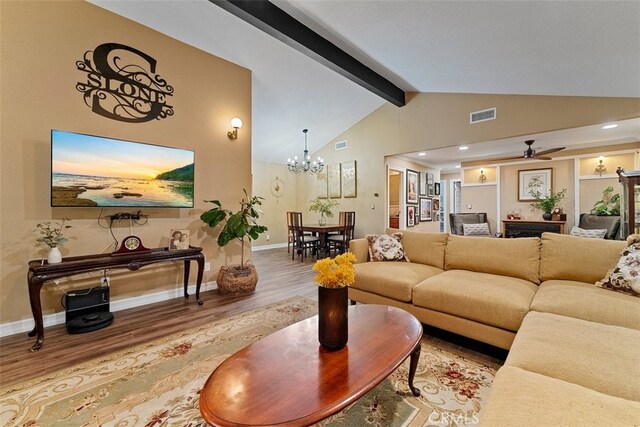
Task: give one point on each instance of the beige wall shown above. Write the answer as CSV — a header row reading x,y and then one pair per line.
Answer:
x,y
274,208
40,44
482,198
591,191
439,120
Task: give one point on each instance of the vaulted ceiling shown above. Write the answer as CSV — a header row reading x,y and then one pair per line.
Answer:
x,y
576,48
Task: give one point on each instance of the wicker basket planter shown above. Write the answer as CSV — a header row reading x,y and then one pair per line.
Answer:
x,y
237,279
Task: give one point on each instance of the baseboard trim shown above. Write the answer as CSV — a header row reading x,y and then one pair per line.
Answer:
x,y
265,247
26,325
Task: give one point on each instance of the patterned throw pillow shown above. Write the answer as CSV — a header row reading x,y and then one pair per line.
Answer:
x,y
592,234
386,247
625,277
481,229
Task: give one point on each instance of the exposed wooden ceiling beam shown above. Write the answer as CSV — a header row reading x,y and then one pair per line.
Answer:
x,y
276,22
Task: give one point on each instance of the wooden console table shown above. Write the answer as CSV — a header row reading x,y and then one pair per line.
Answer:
x,y
527,228
41,272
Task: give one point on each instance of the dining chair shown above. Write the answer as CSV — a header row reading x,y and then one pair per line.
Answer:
x,y
302,241
341,240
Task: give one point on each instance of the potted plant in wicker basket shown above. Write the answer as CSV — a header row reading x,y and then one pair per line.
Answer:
x,y
239,225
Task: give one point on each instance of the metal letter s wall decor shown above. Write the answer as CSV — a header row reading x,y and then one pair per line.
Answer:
x,y
122,84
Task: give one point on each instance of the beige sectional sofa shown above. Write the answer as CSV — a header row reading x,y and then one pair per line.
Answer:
x,y
574,354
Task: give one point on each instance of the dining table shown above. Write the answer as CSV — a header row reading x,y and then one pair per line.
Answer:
x,y
322,231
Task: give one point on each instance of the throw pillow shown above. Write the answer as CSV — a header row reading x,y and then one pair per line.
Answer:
x,y
481,229
386,247
625,277
592,234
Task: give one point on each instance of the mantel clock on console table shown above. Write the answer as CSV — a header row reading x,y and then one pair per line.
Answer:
x,y
41,272
528,228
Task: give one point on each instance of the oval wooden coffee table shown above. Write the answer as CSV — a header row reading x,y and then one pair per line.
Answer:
x,y
288,378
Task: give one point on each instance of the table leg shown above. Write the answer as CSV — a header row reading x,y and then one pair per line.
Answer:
x,y
35,285
187,267
413,366
200,261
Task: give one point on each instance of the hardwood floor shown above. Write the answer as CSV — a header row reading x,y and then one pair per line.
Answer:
x,y
278,278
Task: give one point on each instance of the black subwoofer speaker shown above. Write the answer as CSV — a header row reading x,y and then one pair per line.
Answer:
x,y
87,310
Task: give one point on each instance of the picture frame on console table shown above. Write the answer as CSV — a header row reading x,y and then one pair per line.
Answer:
x,y
179,239
532,180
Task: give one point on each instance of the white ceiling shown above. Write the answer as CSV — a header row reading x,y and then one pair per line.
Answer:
x,y
506,47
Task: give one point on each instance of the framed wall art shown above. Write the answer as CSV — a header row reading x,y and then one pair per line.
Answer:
x,y
412,186
423,183
411,216
429,178
349,179
426,209
436,205
431,190
335,177
437,189
416,214
322,185
534,181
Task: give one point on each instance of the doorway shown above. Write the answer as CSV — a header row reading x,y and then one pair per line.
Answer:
x,y
394,191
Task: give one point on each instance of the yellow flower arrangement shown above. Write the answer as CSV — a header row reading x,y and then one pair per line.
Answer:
x,y
336,273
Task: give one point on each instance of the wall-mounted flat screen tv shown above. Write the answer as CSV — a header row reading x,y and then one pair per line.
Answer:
x,y
88,170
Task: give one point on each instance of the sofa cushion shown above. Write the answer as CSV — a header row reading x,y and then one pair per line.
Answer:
x,y
507,257
592,234
521,398
588,302
486,298
567,257
625,277
392,279
601,357
386,247
425,248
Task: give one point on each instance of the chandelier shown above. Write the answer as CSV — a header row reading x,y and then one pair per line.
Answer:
x,y
305,165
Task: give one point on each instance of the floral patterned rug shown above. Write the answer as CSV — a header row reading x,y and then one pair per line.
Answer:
x,y
157,384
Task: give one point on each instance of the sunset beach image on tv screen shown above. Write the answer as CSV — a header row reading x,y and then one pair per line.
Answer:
x,y
89,170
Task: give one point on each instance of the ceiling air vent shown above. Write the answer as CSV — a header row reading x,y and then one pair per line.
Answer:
x,y
341,145
482,116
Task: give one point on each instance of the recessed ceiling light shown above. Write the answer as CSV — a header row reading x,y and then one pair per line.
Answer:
x,y
457,166
464,147
611,126
422,154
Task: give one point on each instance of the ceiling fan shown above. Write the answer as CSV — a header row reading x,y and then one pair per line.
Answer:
x,y
530,153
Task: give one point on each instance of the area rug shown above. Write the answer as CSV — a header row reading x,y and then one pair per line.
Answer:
x,y
157,384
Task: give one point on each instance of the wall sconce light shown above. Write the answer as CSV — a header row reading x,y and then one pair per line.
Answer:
x,y
482,176
600,168
236,124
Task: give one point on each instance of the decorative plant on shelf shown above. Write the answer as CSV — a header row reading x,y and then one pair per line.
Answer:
x,y
239,225
549,202
323,206
609,205
51,232
51,235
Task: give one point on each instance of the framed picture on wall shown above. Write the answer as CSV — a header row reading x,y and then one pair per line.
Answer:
x,y
423,183
349,179
436,205
412,186
322,185
416,214
431,190
429,178
411,216
426,209
437,189
534,182
335,178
